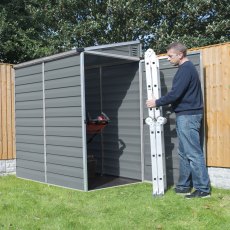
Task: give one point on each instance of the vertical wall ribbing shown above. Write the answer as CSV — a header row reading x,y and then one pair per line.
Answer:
x,y
44,118
82,72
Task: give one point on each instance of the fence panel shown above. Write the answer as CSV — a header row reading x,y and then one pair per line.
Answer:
x,y
217,94
7,116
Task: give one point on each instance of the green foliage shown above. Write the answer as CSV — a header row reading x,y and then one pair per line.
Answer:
x,y
195,22
28,205
30,29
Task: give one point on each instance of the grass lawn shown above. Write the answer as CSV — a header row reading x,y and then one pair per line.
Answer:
x,y
30,205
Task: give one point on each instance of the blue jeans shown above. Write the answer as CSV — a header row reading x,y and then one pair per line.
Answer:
x,y
193,171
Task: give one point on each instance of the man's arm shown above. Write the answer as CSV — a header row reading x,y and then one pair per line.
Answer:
x,y
180,85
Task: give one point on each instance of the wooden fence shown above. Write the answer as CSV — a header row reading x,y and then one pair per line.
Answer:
x,y
7,118
216,67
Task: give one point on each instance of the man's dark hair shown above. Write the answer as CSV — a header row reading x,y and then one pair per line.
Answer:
x,y
178,47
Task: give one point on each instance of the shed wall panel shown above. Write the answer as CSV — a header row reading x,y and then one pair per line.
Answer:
x,y
65,170
31,96
30,164
64,63
67,132
63,102
30,139
114,90
124,111
65,181
63,92
64,123
60,140
28,71
29,130
61,73
29,113
63,82
29,123
60,112
64,150
36,104
93,92
29,79
30,174
65,160
25,147
32,87
30,156
93,96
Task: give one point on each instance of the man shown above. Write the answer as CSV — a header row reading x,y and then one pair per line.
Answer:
x,y
186,100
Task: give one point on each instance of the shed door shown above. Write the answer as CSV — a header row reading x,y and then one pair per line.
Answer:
x,y
167,72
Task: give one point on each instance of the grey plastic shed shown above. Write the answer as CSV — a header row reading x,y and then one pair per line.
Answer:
x,y
53,96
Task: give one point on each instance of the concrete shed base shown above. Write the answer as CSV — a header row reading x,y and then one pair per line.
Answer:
x,y
7,167
219,177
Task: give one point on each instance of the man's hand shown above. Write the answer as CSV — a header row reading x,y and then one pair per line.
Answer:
x,y
151,103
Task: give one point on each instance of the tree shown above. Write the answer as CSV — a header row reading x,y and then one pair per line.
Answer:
x,y
31,29
194,22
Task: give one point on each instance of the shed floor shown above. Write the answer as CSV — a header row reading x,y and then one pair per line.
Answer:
x,y
106,181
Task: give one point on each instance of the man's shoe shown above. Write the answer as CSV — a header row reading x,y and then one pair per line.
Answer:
x,y
185,191
198,194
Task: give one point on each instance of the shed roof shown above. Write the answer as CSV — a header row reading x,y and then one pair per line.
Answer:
x,y
76,51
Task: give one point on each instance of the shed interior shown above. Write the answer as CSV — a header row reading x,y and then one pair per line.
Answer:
x,y
112,87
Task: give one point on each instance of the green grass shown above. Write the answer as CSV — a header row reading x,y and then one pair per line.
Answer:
x,y
30,205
